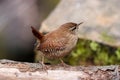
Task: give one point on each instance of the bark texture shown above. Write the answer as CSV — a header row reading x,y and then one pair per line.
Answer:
x,y
13,70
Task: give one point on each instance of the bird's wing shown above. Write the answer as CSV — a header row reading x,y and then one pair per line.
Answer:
x,y
53,46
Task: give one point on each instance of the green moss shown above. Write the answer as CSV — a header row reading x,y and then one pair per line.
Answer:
x,y
107,38
93,53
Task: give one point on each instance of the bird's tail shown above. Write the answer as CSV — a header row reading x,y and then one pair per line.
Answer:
x,y
36,33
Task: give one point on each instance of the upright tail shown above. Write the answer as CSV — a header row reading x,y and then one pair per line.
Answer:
x,y
36,33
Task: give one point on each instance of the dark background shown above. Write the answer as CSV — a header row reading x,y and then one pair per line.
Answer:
x,y
16,17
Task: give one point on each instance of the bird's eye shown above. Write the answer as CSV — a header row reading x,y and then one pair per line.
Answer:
x,y
72,28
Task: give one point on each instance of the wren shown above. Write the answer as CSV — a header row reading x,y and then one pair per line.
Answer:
x,y
58,43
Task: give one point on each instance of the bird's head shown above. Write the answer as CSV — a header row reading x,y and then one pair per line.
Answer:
x,y
70,27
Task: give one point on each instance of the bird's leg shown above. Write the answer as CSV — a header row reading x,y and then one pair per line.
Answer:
x,y
43,65
62,63
43,61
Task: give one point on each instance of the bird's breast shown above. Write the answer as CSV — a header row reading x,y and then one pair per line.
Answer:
x,y
72,40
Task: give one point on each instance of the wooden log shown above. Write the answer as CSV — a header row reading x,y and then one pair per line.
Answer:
x,y
13,70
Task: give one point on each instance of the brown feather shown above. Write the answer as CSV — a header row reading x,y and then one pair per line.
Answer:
x,y
59,42
36,33
51,46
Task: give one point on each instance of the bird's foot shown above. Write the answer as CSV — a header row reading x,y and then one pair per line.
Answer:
x,y
64,64
44,67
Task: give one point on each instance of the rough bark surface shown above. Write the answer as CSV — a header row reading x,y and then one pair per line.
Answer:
x,y
13,70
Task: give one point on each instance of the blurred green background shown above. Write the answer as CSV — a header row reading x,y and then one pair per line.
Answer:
x,y
17,41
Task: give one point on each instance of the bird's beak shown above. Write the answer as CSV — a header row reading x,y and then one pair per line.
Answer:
x,y
79,23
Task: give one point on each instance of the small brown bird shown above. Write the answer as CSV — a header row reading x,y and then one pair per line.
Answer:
x,y
59,42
